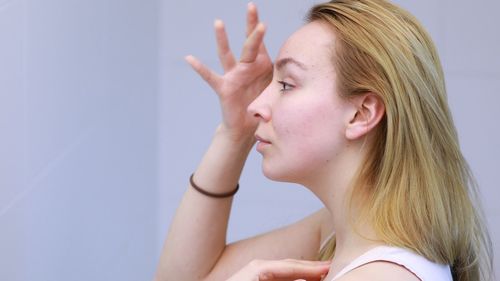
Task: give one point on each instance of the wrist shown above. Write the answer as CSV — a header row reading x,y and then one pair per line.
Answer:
x,y
236,139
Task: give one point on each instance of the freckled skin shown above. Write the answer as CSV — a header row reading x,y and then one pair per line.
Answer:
x,y
305,124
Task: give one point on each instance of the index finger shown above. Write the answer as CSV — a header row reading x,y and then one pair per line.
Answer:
x,y
225,55
293,269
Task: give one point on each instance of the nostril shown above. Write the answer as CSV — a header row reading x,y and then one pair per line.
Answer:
x,y
252,110
259,108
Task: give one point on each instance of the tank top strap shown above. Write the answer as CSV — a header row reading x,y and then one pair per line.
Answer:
x,y
424,269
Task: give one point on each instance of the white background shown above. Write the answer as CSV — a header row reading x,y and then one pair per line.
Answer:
x,y
102,122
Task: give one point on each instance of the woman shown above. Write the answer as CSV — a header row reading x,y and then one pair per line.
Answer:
x,y
355,110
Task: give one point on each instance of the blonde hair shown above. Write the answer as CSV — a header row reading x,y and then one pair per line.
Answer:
x,y
415,185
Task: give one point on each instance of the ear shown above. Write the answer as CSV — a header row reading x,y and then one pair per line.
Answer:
x,y
368,110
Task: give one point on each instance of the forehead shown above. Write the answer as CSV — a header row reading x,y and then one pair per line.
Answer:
x,y
312,44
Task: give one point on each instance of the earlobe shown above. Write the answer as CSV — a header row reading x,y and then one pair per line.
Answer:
x,y
368,111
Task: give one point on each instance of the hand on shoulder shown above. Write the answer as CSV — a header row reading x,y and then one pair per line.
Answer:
x,y
287,269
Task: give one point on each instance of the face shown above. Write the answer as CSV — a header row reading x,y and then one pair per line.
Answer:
x,y
301,116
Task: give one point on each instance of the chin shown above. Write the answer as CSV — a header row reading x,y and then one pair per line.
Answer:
x,y
281,175
271,173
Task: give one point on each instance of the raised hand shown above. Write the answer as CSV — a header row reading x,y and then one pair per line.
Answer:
x,y
242,80
282,270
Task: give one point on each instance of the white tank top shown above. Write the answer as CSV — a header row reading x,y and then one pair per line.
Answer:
x,y
424,269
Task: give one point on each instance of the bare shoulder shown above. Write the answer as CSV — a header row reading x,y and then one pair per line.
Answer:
x,y
380,271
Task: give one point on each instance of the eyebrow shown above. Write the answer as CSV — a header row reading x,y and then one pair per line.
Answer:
x,y
284,61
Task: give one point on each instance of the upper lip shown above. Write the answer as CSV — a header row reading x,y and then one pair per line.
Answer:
x,y
261,139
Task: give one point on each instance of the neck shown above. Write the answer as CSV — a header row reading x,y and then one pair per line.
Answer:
x,y
332,186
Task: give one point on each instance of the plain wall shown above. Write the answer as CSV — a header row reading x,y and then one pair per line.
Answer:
x,y
78,139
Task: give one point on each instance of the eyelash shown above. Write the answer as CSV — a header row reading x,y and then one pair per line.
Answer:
x,y
285,85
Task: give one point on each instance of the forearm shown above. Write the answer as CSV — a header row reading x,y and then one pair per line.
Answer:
x,y
197,235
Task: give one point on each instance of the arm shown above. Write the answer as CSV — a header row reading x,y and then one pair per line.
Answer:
x,y
300,240
197,234
195,247
195,255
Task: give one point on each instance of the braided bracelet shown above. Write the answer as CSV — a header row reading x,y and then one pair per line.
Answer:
x,y
210,194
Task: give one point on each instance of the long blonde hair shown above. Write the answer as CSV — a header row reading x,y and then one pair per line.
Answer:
x,y
415,185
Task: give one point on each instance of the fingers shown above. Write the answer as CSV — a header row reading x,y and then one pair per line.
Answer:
x,y
252,21
208,75
293,269
252,18
253,44
250,52
225,55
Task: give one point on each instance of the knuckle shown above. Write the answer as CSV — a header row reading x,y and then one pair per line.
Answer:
x,y
266,276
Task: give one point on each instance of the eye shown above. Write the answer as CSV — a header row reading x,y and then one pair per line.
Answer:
x,y
285,86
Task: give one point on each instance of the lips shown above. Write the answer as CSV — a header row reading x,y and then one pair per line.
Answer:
x,y
261,139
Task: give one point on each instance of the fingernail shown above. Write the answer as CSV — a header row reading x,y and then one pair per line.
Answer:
x,y
189,59
218,22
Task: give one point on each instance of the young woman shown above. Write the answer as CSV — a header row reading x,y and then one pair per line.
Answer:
x,y
355,110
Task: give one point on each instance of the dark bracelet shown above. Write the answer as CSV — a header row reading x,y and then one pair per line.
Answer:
x,y
210,194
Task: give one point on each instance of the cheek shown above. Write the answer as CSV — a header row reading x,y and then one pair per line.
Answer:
x,y
309,131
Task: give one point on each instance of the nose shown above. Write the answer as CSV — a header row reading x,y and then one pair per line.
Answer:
x,y
260,108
